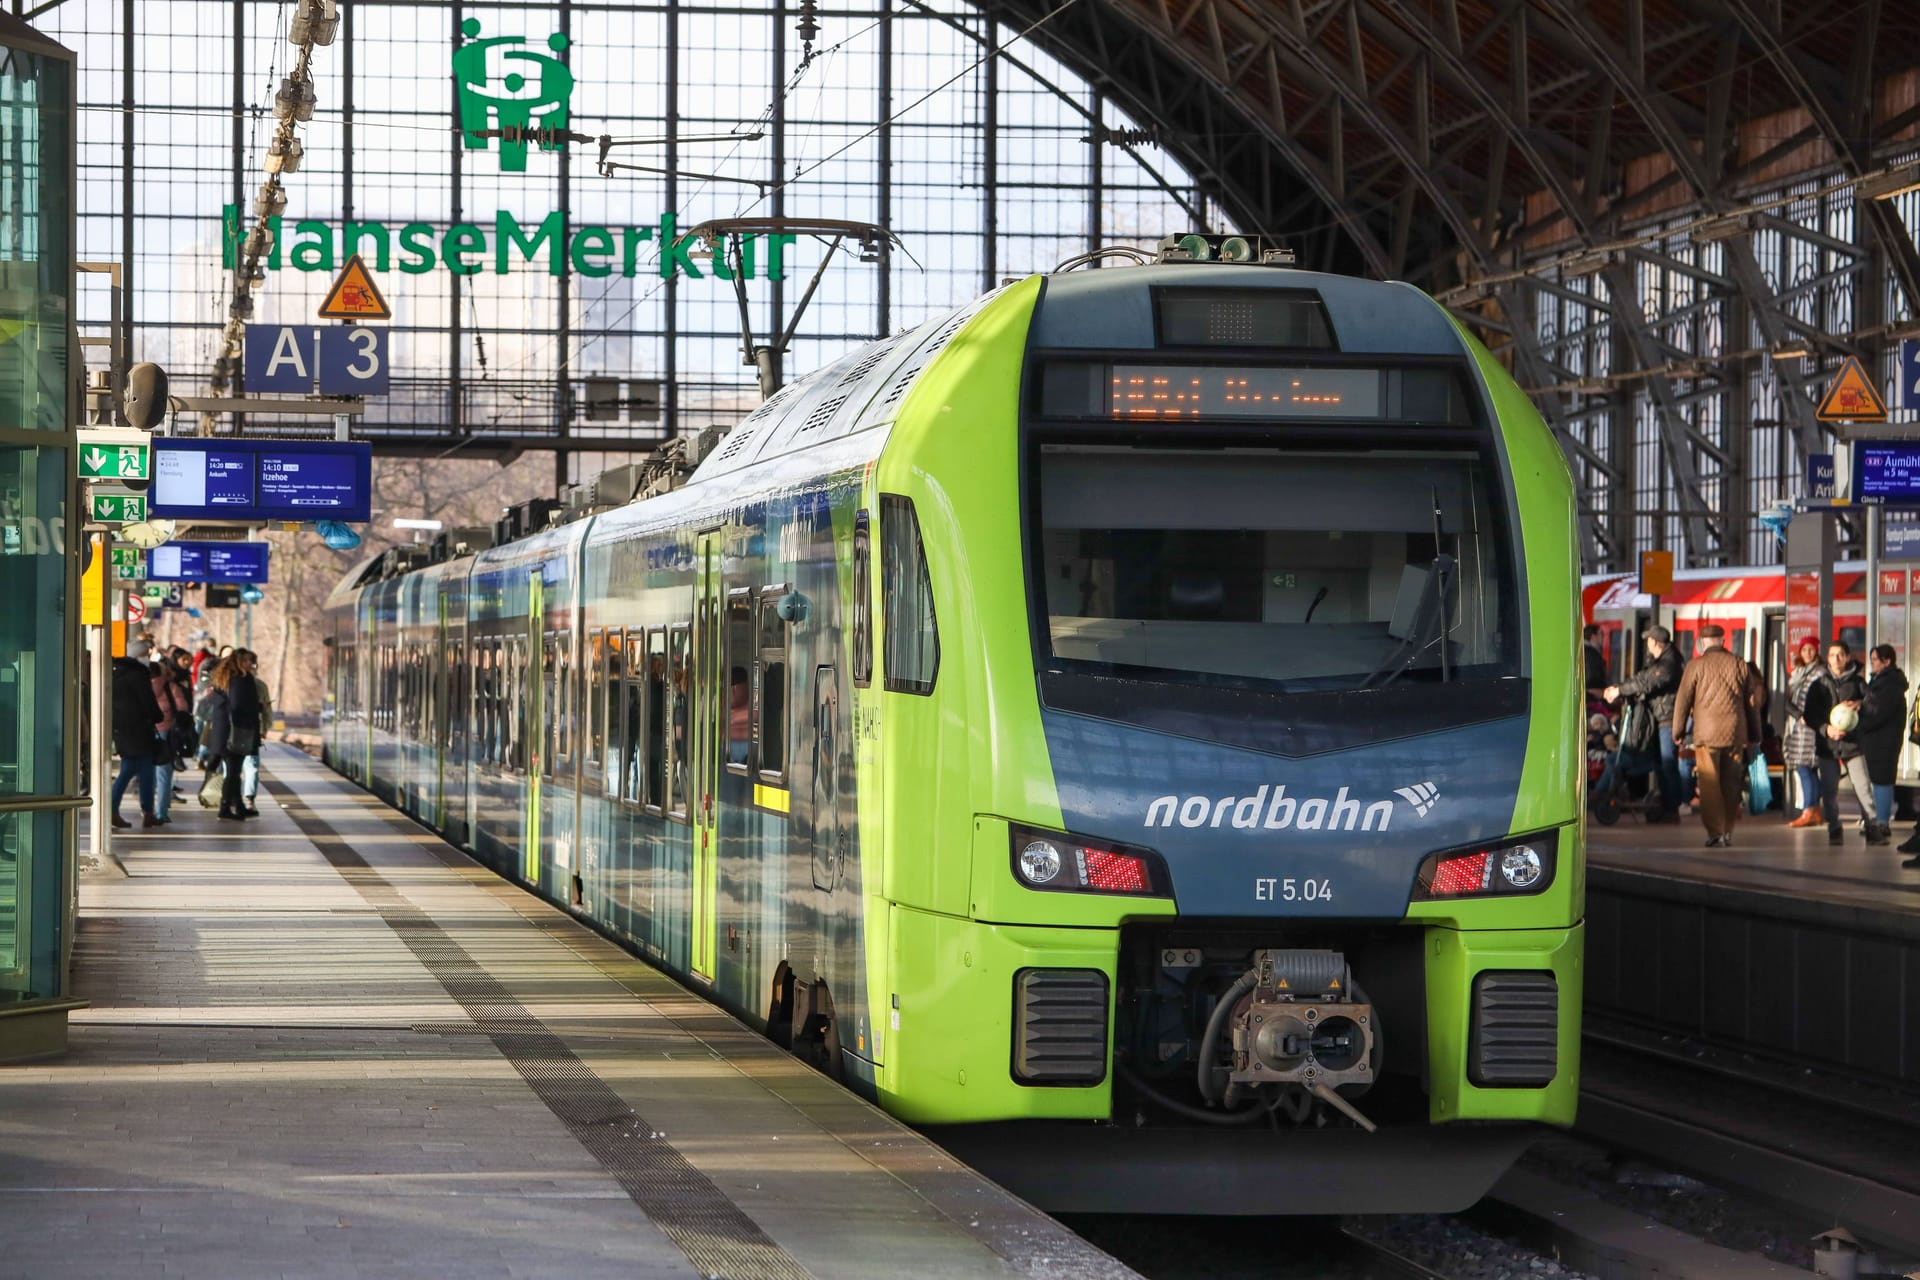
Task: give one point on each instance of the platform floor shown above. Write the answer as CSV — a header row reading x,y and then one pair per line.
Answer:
x,y
1767,860
326,1044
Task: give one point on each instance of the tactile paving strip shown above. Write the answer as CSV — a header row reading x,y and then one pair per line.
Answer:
x,y
715,1234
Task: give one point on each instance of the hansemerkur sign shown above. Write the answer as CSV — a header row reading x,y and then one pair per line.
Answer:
x,y
469,248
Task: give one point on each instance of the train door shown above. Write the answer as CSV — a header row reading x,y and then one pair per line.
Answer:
x,y
1771,658
441,674
1622,629
535,710
709,741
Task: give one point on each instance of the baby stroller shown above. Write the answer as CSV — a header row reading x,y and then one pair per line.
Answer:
x,y
1635,754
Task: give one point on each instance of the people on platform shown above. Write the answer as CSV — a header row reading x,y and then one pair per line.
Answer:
x,y
250,773
1596,659
1717,696
1799,752
1880,732
1838,683
176,708
136,718
1655,685
233,731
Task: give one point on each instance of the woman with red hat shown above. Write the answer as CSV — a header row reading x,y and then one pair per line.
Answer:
x,y
1799,750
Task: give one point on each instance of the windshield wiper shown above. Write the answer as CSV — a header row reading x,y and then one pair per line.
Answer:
x,y
1429,616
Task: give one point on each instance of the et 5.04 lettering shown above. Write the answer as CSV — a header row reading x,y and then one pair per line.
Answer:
x,y
1289,889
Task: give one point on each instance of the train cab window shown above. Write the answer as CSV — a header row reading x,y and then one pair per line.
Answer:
x,y
912,638
862,601
656,788
679,650
613,757
739,695
1293,569
771,696
633,717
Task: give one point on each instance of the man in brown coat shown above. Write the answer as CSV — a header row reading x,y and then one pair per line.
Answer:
x,y
1717,691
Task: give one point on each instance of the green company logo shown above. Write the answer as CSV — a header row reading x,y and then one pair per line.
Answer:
x,y
510,104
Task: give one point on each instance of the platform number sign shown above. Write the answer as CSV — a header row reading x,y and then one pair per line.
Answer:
x,y
1910,373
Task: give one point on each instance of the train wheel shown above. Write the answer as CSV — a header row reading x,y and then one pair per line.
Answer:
x,y
816,1036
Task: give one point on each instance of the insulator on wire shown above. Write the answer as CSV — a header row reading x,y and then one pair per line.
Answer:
x,y
284,157
259,241
270,203
1122,137
809,26
242,307
295,100
314,22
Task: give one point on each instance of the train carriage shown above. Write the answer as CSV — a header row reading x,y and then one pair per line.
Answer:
x,y
1143,700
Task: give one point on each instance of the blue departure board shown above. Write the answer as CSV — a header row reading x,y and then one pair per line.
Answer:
x,y
208,562
1887,471
197,478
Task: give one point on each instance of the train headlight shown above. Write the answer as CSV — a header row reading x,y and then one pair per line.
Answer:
x,y
1513,866
1521,865
1040,862
1051,860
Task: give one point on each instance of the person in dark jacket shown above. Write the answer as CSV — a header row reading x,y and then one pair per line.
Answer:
x,y
136,720
1839,685
1880,733
1655,685
233,731
1596,659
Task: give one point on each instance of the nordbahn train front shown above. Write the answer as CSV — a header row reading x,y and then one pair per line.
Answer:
x,y
1276,864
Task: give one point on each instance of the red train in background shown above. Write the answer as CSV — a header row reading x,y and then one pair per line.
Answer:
x,y
1754,605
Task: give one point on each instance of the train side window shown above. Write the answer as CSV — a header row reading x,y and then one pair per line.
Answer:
x,y
771,696
544,747
596,680
679,646
613,759
656,668
739,660
633,717
912,633
862,601
563,712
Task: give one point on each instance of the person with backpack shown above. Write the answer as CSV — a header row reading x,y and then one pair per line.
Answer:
x,y
1656,684
233,732
136,717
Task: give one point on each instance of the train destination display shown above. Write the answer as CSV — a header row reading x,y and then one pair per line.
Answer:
x,y
1886,471
208,562
213,479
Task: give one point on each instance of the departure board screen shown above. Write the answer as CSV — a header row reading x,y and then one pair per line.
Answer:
x,y
208,562
1886,471
195,478
1165,392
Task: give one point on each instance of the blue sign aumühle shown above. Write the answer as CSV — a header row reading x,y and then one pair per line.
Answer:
x,y
196,478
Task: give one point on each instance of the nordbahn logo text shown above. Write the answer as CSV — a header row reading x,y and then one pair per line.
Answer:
x,y
1272,808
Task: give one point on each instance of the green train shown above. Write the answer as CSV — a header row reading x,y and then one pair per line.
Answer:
x,y
1129,726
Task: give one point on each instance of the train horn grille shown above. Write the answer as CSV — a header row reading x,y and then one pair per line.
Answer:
x,y
1060,1026
1516,1030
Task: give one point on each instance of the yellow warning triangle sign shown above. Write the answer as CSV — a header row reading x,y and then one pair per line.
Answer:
x,y
353,296
1852,397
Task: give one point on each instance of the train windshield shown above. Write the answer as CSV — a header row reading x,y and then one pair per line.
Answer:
x,y
1285,569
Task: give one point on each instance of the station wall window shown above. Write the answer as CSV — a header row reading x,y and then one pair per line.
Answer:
x,y
771,696
739,695
912,639
862,601
679,647
656,718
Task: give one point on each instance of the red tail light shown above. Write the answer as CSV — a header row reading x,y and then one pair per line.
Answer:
x,y
1463,873
1115,872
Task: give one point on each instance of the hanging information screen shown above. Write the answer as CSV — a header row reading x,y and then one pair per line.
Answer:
x,y
208,562
1887,471
195,478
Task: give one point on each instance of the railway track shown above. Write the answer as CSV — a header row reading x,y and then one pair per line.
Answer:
x,y
1828,1147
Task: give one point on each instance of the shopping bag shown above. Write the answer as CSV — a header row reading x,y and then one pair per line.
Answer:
x,y
1759,784
210,788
